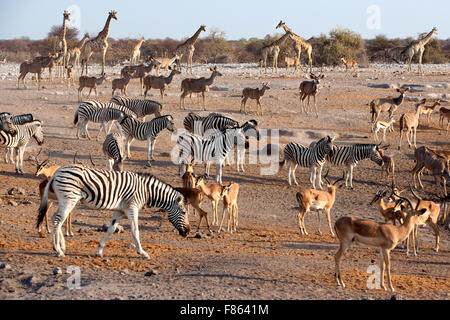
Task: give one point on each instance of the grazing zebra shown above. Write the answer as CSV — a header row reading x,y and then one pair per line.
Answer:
x,y
99,112
197,124
213,148
135,129
18,142
349,156
124,192
312,157
113,149
141,108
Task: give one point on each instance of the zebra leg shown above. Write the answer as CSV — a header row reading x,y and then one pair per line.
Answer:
x,y
133,217
110,163
129,139
64,209
351,177
153,148
111,229
312,177
102,126
293,174
320,177
289,172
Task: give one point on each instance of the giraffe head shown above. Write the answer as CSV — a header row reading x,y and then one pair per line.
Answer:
x,y
203,27
434,30
66,16
280,25
113,14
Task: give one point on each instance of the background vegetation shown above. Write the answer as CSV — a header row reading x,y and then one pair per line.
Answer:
x,y
215,48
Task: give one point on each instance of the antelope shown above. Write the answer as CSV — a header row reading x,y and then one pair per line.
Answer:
x,y
292,61
349,63
428,110
389,104
189,179
160,82
438,165
369,233
122,84
200,85
194,197
139,71
91,83
444,113
316,200
213,193
229,192
390,210
310,88
254,94
410,122
430,218
48,172
70,74
165,62
382,125
388,164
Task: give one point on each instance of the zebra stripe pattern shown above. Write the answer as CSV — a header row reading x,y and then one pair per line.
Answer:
x,y
100,113
124,192
213,148
18,142
6,123
135,129
198,125
141,108
349,156
312,157
114,150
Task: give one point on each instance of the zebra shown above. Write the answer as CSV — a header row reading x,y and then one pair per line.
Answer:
x,y
99,112
199,125
135,129
213,148
6,123
141,108
113,149
349,156
313,157
15,120
124,192
19,141
241,142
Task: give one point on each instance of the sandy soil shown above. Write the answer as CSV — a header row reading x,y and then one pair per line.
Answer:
x,y
267,258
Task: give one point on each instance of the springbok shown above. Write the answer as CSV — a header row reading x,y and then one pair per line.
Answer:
x,y
350,63
428,110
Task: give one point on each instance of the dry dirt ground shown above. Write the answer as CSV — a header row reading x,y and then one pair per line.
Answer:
x,y
267,258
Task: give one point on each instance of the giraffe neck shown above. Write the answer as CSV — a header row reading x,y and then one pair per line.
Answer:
x,y
82,42
192,40
427,38
139,44
105,32
281,40
63,35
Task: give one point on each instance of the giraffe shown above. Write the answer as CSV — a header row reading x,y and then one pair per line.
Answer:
x,y
188,48
136,53
76,50
418,46
99,43
272,49
61,46
299,43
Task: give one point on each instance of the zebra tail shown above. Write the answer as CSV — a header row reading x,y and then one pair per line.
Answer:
x,y
75,119
43,208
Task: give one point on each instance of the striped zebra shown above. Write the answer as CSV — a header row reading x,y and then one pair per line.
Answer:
x,y
241,142
213,148
6,123
18,142
313,157
141,108
114,150
14,120
348,156
135,129
124,192
198,125
98,112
